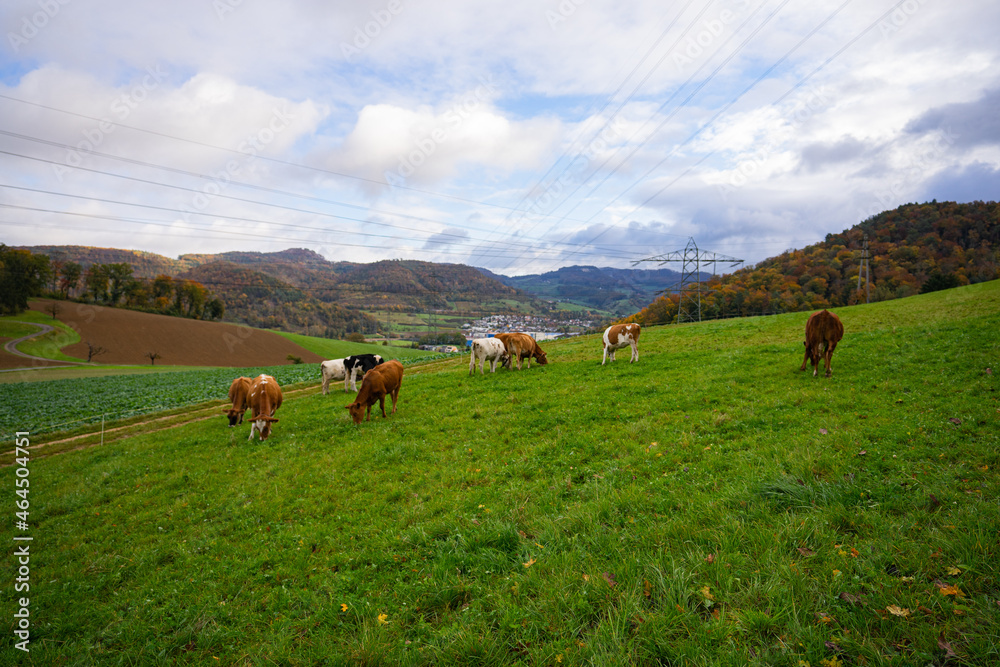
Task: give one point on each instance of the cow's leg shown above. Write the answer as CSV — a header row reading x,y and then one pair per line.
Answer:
x,y
395,397
347,379
805,359
604,357
635,352
472,363
381,404
326,383
828,357
253,426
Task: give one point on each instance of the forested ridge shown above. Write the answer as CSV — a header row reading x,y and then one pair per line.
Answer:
x,y
913,248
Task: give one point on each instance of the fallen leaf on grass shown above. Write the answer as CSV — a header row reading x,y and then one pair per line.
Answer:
x,y
951,590
830,646
647,588
823,431
805,551
898,611
823,617
850,599
715,613
710,558
831,662
956,421
383,619
530,563
705,592
862,452
946,647
954,571
610,578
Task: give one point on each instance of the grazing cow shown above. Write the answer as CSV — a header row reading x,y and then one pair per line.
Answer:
x,y
265,399
521,346
823,332
357,365
332,369
488,349
618,336
381,381
239,394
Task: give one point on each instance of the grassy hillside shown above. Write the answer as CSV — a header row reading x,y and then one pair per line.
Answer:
x,y
338,349
709,505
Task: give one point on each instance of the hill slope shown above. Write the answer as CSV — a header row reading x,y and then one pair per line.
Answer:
x,y
908,246
128,336
300,291
617,290
742,513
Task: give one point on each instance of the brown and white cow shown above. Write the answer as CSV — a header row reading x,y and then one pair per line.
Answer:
x,y
265,399
381,381
239,394
823,331
487,349
618,336
521,346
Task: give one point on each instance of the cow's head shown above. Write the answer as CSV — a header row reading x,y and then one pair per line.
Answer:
x,y
264,425
235,416
541,358
357,411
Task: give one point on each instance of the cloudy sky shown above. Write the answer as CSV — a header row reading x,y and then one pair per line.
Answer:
x,y
520,136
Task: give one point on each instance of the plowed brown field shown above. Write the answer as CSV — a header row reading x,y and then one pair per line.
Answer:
x,y
128,336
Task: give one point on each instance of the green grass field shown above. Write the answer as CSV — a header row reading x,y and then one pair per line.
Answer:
x,y
48,345
337,349
709,505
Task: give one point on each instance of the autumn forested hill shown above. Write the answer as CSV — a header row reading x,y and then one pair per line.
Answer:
x,y
912,248
298,290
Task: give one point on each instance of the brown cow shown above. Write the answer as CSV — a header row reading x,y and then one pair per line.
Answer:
x,y
239,393
823,332
521,346
385,379
618,336
265,399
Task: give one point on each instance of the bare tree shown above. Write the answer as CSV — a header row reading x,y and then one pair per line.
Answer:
x,y
94,351
153,356
53,309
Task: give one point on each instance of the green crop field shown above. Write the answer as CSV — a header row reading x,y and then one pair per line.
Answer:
x,y
708,505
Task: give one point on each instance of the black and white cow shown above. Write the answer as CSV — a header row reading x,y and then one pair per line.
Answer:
x,y
356,366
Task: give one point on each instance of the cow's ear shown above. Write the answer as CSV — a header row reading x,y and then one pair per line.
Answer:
x,y
272,419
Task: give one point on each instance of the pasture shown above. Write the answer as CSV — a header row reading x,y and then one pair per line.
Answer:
x,y
708,505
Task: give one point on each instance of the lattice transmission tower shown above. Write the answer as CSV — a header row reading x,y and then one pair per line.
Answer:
x,y
689,288
866,269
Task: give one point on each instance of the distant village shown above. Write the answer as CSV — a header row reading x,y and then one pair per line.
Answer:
x,y
539,328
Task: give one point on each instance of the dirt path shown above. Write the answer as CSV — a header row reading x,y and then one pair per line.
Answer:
x,y
151,425
10,347
155,424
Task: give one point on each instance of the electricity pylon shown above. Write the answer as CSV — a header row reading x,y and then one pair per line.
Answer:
x,y
689,288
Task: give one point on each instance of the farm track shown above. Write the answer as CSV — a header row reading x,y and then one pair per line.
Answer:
x,y
41,362
153,424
